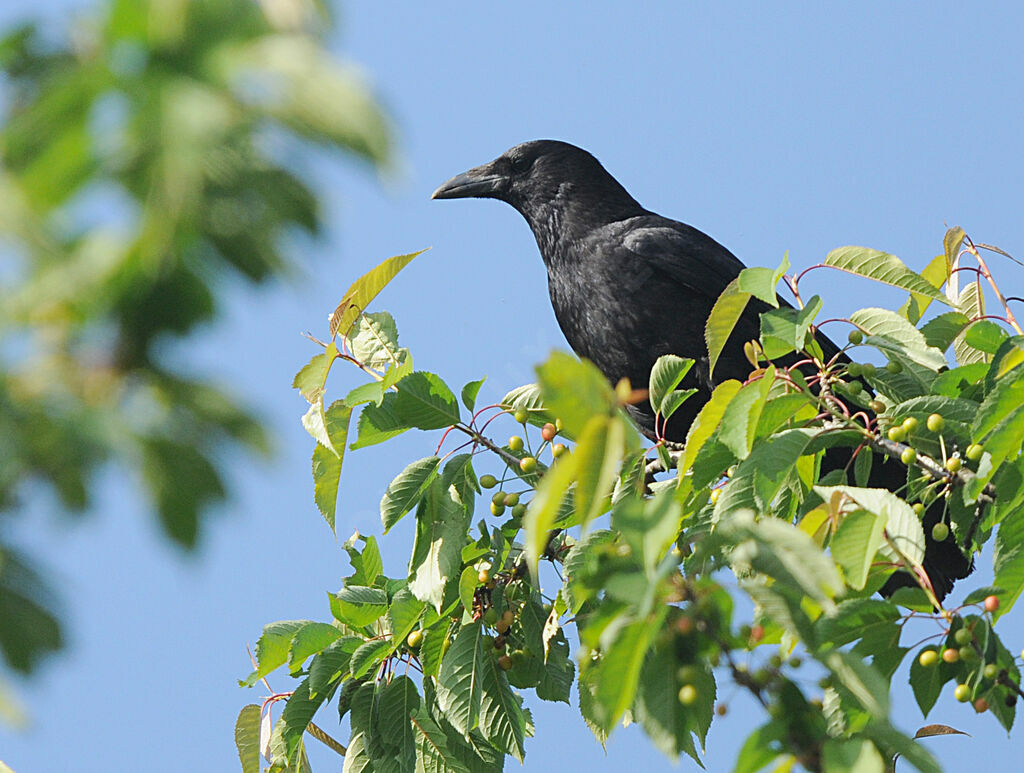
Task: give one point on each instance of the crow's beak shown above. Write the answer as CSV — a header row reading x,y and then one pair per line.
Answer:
x,y
481,182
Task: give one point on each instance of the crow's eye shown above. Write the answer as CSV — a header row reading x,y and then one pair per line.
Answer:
x,y
520,164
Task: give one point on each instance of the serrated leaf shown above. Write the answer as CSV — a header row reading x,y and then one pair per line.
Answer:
x,y
707,422
943,329
902,526
424,401
785,330
666,374
373,340
985,335
1008,560
970,302
369,655
311,379
441,526
860,681
858,538
357,606
882,267
247,738
723,318
309,640
669,724
619,668
326,477
364,290
433,754
378,423
404,612
272,648
460,681
399,701
574,390
545,505
406,490
502,721
469,393
897,335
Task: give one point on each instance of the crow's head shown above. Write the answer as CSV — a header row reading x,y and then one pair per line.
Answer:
x,y
541,176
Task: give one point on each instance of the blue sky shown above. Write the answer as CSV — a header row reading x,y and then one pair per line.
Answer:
x,y
772,127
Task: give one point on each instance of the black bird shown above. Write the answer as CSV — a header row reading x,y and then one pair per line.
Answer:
x,y
628,286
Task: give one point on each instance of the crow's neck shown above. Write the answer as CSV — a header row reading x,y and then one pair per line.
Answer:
x,y
562,221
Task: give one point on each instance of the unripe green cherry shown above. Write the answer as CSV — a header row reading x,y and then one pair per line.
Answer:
x,y
515,443
963,636
991,671
497,509
962,693
511,500
928,658
488,481
414,639
490,616
854,388
867,369
521,415
940,532
499,497
909,424
877,406
974,452
909,456
918,509
558,449
519,511
688,695
893,366
935,422
953,464
528,464
854,369
896,434
855,336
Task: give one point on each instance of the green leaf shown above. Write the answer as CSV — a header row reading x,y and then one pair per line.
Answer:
x,y
469,393
970,301
882,267
761,747
309,640
574,390
286,741
433,754
272,648
406,490
378,423
707,422
859,681
723,318
425,401
369,655
364,290
405,611
460,681
311,379
999,423
760,477
854,619
331,664
852,755
941,331
761,282
357,606
546,504
785,330
985,335
667,722
399,701
927,683
892,334
247,738
528,398
373,340
858,538
902,526
619,668
666,374
502,721
468,582
598,454
894,742
1008,560
441,526
738,426
780,550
